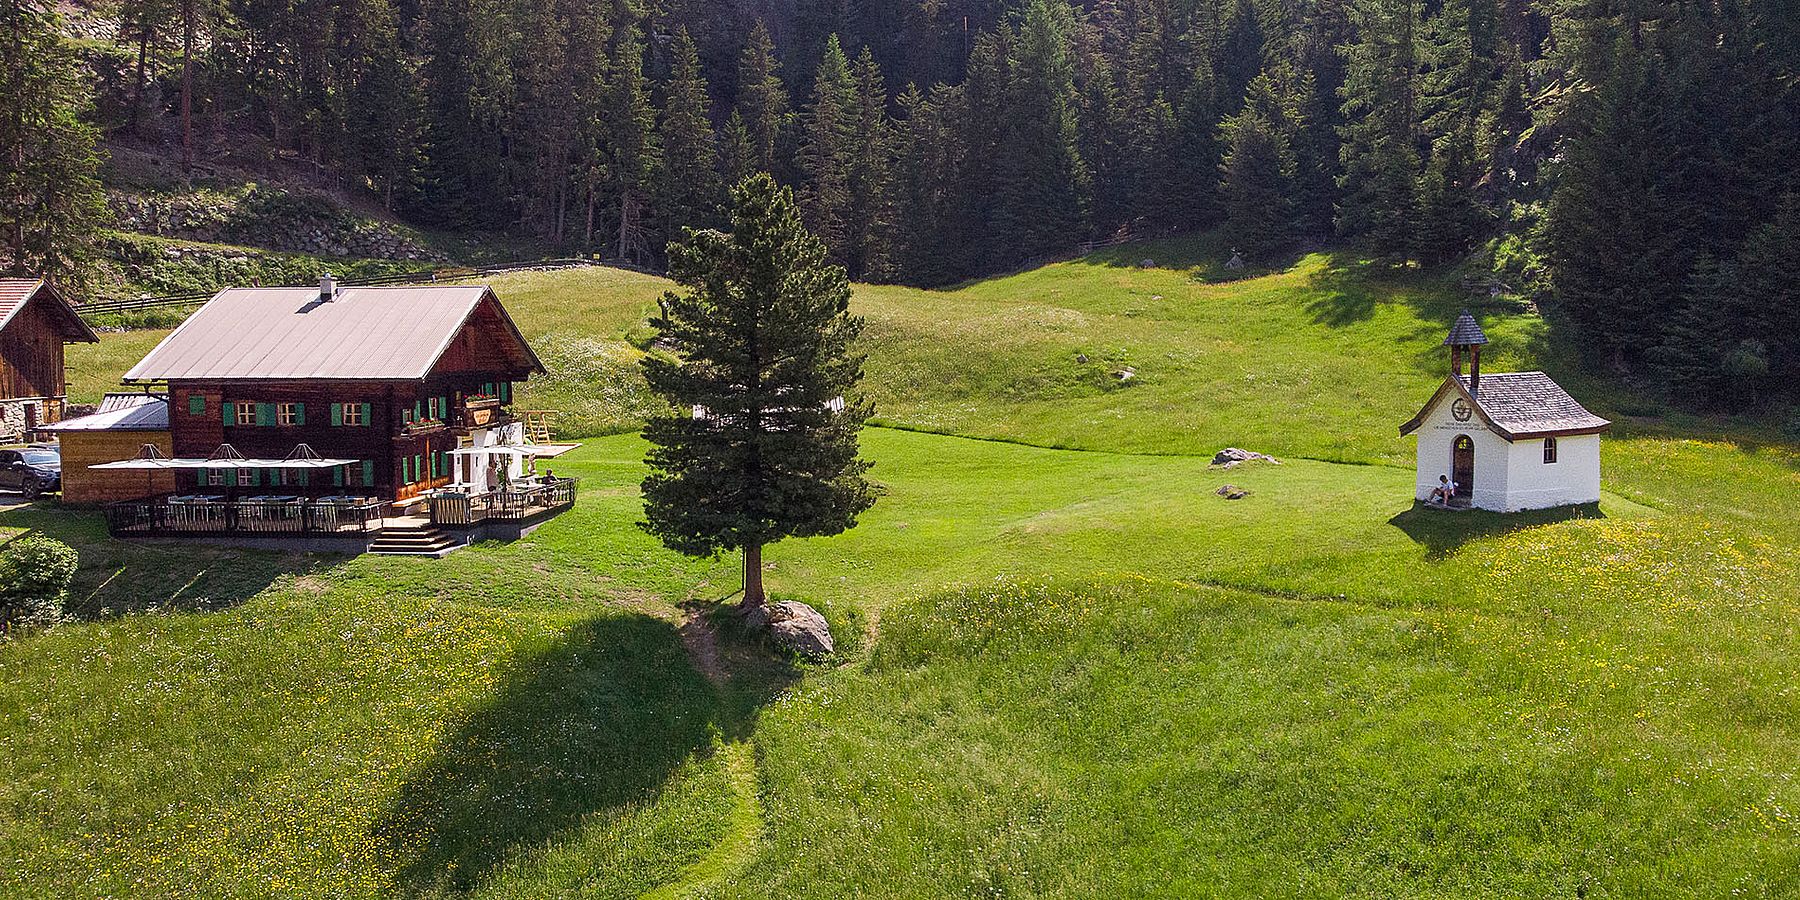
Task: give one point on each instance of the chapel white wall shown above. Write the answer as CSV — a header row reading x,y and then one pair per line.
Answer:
x,y
1573,478
1509,476
1436,443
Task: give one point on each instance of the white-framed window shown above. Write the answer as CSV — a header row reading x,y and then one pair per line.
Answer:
x,y
290,414
353,414
246,414
246,477
1549,451
215,477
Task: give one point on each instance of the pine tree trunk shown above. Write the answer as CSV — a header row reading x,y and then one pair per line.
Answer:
x,y
139,79
753,586
187,82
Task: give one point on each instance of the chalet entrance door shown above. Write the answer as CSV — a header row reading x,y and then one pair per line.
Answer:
x,y
1462,466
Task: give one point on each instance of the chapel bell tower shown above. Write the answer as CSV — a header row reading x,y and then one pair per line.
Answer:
x,y
1466,338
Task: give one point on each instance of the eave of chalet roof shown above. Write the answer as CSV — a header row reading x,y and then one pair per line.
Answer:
x,y
363,333
16,293
1567,417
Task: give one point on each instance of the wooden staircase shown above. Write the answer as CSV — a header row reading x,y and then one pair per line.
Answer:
x,y
413,540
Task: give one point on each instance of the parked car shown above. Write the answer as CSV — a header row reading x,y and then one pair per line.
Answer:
x,y
31,470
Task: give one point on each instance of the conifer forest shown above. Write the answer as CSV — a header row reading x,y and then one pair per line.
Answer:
x,y
1626,165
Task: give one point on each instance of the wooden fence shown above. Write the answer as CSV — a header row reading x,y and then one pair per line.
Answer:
x,y
422,276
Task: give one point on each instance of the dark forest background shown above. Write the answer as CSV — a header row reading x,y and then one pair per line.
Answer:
x,y
1628,164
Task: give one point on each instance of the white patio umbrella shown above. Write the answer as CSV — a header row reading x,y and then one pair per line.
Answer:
x,y
542,451
303,456
149,458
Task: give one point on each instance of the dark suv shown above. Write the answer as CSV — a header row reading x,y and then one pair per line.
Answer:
x,y
31,470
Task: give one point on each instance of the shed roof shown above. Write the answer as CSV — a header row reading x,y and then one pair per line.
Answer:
x,y
1517,406
122,412
1465,332
16,292
382,333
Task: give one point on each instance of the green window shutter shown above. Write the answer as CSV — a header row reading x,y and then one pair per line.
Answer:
x,y
337,414
418,409
365,414
368,473
506,392
196,405
230,412
418,467
337,476
300,416
304,477
265,414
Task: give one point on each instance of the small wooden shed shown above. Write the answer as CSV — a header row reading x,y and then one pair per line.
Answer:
x,y
35,323
122,426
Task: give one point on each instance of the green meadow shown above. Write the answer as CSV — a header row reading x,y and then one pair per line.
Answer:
x,y
1068,668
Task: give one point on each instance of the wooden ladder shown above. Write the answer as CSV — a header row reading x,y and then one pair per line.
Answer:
x,y
537,425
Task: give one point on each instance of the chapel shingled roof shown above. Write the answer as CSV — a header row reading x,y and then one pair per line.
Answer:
x,y
1518,406
383,333
1465,332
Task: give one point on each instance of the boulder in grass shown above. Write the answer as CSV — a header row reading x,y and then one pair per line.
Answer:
x,y
1233,456
1232,492
793,626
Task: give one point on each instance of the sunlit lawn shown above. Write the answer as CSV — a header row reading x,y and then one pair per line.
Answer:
x,y
1090,675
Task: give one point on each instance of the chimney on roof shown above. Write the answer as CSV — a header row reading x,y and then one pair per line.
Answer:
x,y
328,288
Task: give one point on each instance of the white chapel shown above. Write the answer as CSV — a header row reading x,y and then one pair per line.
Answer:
x,y
1505,441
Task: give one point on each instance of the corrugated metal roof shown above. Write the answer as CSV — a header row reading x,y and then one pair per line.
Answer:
x,y
122,412
1465,332
392,333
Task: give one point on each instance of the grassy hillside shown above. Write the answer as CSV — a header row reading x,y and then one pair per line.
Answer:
x,y
1068,673
1322,360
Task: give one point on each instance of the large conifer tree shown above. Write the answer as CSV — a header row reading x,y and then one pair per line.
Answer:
x,y
762,344
1376,206
50,200
1257,182
690,193
828,152
628,123
762,100
1044,180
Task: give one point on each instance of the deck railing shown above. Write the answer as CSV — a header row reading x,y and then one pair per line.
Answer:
x,y
453,510
251,517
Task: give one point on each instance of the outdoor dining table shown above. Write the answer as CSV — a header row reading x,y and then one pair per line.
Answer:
x,y
197,512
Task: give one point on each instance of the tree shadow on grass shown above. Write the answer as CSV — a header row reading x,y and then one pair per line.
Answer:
x,y
1443,531
599,722
1351,288
121,577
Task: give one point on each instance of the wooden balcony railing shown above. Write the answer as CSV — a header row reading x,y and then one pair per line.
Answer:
x,y
517,502
175,516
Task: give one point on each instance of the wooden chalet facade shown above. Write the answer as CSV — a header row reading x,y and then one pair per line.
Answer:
x,y
35,323
391,380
